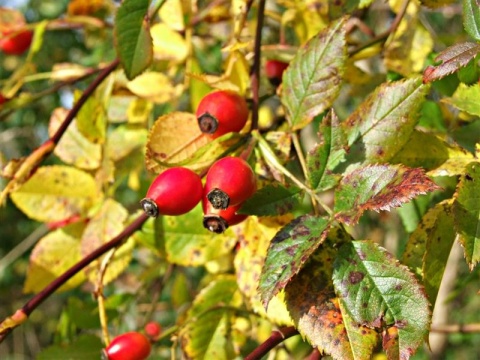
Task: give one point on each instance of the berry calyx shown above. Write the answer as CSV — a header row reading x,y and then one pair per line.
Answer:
x,y
153,330
230,181
221,112
16,43
129,346
175,191
218,220
274,70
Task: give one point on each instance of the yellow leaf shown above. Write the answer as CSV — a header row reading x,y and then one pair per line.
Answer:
x,y
171,14
54,193
168,44
139,111
74,148
153,86
238,71
52,256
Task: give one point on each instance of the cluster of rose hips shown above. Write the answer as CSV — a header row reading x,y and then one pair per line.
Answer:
x,y
229,181
133,345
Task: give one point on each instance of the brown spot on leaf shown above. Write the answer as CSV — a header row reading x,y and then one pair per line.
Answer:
x,y
355,277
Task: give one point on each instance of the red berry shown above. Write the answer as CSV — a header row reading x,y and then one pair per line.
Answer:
x,y
175,191
16,44
274,70
221,112
3,99
153,330
129,346
218,220
230,181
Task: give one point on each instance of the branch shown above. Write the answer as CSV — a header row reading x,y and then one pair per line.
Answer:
x,y
456,328
255,76
276,338
21,315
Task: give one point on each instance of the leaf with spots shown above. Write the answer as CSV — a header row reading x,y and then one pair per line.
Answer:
x,y
383,123
272,200
312,80
187,243
254,238
326,155
379,292
317,313
378,187
206,334
288,251
466,213
452,59
429,246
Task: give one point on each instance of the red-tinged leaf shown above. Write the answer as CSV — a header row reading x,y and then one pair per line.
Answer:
x,y
453,58
471,18
466,212
325,156
317,313
390,343
288,251
383,123
379,292
378,187
312,80
132,37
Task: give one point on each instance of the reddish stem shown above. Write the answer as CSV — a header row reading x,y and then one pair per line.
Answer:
x,y
276,338
255,76
39,298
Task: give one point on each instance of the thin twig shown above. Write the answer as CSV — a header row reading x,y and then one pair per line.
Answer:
x,y
7,325
384,36
255,76
276,338
456,328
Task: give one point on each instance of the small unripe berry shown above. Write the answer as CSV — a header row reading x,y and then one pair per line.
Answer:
x,y
175,191
274,70
153,330
16,44
230,181
129,346
221,112
218,220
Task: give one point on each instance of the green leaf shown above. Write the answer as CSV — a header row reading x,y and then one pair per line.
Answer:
x,y
132,37
326,155
378,187
124,140
272,200
312,80
429,246
379,292
317,313
51,257
471,18
55,193
207,333
107,223
380,127
288,251
187,243
466,212
85,347
465,99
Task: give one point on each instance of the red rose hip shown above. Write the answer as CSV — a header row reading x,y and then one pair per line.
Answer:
x,y
221,112
153,330
230,181
16,43
129,346
175,191
274,70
